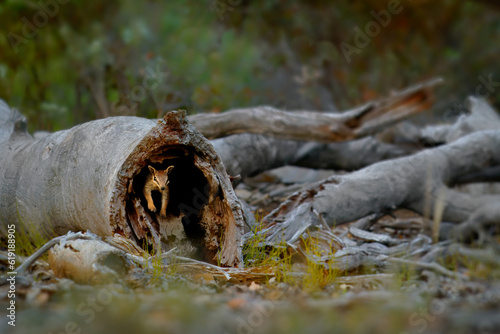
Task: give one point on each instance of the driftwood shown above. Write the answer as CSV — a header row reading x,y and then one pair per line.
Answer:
x,y
424,182
482,218
90,177
419,182
322,127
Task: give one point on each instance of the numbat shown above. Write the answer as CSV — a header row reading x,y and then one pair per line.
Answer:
x,y
157,180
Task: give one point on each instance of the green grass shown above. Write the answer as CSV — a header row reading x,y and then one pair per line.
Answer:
x,y
154,263
277,258
317,276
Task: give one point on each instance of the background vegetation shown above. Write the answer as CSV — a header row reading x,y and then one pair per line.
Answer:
x,y
94,59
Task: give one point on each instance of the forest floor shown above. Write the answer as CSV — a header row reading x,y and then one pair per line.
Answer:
x,y
278,292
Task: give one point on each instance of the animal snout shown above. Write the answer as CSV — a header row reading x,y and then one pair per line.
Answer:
x,y
162,188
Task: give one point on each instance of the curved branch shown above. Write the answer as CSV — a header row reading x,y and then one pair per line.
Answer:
x,y
323,127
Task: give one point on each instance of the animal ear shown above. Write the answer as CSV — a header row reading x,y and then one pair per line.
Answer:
x,y
152,170
169,169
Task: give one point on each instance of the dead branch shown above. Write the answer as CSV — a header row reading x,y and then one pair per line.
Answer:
x,y
424,265
488,256
373,237
487,215
479,115
417,182
28,262
250,154
90,261
322,127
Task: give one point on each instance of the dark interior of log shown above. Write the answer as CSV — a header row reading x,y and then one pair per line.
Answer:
x,y
188,194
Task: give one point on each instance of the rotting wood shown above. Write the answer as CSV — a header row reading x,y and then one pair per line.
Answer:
x,y
90,177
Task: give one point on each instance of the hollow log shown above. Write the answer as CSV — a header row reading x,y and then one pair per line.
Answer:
x,y
91,177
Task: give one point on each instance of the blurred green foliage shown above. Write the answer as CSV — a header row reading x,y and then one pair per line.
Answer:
x,y
63,62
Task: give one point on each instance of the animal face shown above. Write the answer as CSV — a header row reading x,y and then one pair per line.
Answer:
x,y
160,177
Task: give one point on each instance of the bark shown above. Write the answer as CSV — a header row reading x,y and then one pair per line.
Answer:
x,y
419,182
90,177
323,127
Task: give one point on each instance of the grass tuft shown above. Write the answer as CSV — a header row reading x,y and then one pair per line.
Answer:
x,y
277,257
318,274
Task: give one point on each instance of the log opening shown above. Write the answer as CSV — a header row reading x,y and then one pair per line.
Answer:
x,y
189,192
203,215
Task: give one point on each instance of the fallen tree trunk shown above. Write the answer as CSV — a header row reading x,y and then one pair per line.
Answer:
x,y
91,177
291,138
418,182
250,154
322,127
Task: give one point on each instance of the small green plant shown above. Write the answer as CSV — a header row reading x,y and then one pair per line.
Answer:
x,y
405,274
276,257
318,274
154,262
254,252
473,267
172,268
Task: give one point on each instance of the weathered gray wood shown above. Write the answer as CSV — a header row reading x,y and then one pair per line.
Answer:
x,y
418,182
89,177
90,261
250,154
373,237
487,215
323,127
479,116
